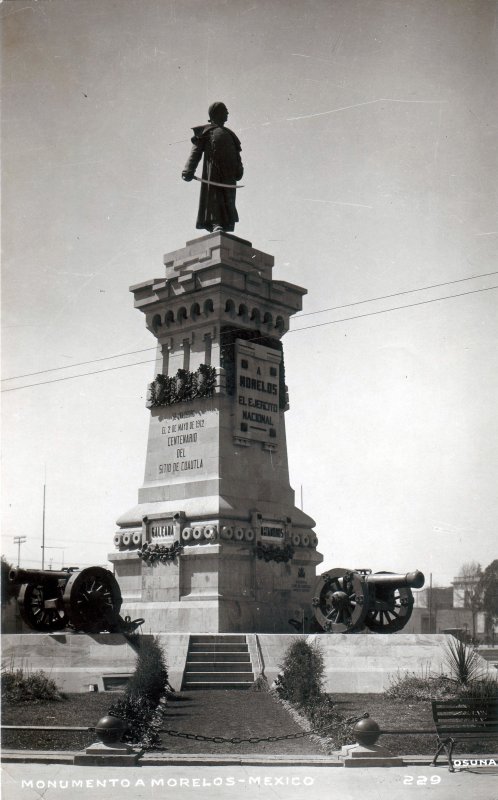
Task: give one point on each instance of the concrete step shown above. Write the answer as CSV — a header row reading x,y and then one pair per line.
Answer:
x,y
215,685
218,662
219,677
219,657
236,638
217,666
221,647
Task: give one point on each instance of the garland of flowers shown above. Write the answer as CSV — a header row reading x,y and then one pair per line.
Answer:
x,y
150,553
182,387
271,552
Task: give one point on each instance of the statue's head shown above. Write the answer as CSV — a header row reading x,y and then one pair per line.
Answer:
x,y
218,113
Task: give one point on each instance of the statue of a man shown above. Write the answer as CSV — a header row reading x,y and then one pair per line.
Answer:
x,y
222,164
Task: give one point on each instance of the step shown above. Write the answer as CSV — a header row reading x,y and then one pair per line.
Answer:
x,y
217,677
217,638
217,666
222,647
219,657
213,685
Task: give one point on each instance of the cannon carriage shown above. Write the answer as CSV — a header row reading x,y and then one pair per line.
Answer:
x,y
350,601
87,600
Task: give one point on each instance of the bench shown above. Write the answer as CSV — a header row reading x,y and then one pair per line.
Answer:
x,y
460,719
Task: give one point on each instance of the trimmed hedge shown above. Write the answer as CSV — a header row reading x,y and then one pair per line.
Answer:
x,y
301,683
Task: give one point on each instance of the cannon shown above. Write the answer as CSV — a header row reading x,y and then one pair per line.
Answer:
x,y
87,600
348,601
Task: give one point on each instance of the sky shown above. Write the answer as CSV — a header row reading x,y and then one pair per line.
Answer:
x,y
368,132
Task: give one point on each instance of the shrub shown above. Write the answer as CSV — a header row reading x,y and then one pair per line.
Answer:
x,y
485,689
19,686
300,683
410,686
325,719
147,685
301,678
139,713
150,678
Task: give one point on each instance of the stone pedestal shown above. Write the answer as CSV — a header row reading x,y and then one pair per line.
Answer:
x,y
215,543
99,754
357,755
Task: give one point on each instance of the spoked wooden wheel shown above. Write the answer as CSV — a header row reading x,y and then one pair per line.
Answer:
x,y
41,607
341,601
390,607
92,600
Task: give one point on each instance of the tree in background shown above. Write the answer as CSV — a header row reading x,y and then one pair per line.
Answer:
x,y
488,590
470,578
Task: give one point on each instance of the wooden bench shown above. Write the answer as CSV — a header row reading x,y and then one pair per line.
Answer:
x,y
460,719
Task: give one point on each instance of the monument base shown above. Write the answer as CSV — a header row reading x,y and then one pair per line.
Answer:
x,y
215,543
218,588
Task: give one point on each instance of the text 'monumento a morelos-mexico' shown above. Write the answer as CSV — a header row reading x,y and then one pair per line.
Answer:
x,y
215,542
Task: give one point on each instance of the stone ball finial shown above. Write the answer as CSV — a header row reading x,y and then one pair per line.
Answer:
x,y
366,731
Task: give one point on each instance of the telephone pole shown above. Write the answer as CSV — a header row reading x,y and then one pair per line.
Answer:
x,y
43,525
19,540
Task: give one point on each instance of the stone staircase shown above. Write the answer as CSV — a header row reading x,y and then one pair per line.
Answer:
x,y
218,662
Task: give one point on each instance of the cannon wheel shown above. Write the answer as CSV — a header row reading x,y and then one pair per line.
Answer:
x,y
41,607
390,608
342,601
92,600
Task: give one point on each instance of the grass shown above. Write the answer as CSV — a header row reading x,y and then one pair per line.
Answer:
x,y
230,712
74,709
393,714
225,713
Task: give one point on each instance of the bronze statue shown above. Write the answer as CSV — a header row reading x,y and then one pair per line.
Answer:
x,y
221,169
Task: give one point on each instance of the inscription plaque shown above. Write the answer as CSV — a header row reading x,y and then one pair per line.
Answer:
x,y
257,415
183,441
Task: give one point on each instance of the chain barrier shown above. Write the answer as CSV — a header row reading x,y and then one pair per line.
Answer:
x,y
198,737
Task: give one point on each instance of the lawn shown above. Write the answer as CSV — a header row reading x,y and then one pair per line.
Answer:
x,y
393,714
76,709
226,713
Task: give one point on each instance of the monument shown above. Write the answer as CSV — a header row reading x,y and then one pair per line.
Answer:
x,y
216,543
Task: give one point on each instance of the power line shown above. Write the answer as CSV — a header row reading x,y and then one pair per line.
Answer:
x,y
395,308
81,375
295,330
396,294
306,314
36,561
78,364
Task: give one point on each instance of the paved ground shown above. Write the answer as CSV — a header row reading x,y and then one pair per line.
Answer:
x,y
60,782
228,713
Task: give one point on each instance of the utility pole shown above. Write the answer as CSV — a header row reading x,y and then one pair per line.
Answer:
x,y
430,603
19,540
43,527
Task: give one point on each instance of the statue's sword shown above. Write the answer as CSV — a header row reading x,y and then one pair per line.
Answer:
x,y
221,185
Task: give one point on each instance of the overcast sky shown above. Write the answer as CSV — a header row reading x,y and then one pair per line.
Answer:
x,y
369,132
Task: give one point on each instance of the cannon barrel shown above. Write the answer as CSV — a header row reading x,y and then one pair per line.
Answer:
x,y
37,576
412,580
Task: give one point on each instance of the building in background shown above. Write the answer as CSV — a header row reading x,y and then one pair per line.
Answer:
x,y
451,609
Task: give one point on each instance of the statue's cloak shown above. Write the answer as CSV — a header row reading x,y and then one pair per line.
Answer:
x,y
222,164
